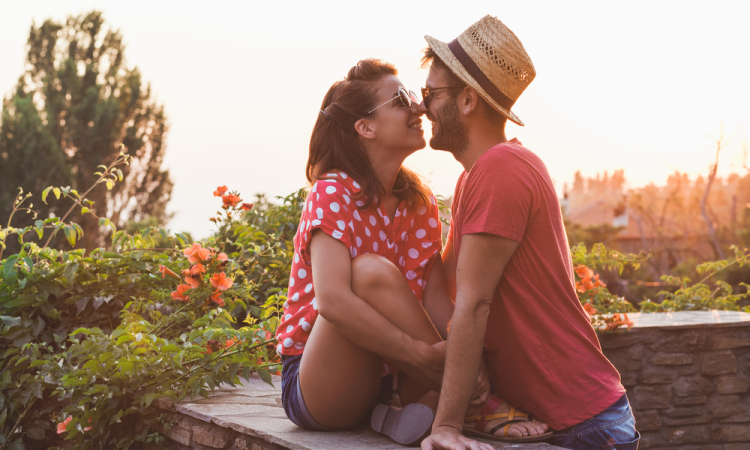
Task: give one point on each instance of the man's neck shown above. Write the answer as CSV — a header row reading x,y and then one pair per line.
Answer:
x,y
480,140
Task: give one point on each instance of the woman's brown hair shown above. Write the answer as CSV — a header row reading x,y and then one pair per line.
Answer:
x,y
334,144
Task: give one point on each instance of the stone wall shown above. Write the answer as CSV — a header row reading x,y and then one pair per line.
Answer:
x,y
689,386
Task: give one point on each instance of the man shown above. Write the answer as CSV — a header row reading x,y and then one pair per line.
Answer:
x,y
509,262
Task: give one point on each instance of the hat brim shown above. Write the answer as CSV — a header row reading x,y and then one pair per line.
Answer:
x,y
442,50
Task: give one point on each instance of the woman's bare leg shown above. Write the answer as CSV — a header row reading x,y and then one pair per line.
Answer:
x,y
340,381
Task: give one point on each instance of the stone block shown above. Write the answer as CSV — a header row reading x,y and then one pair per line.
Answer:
x,y
241,444
724,405
658,377
733,385
180,435
690,435
731,433
629,379
682,421
687,411
692,400
651,440
727,342
720,363
680,342
674,359
738,446
739,418
647,420
209,438
687,370
619,340
652,397
628,361
692,386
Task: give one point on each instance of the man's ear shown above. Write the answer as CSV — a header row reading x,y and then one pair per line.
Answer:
x,y
365,128
468,101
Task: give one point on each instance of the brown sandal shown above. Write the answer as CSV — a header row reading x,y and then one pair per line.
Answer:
x,y
487,414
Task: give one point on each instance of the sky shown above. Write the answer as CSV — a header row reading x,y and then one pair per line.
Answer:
x,y
644,86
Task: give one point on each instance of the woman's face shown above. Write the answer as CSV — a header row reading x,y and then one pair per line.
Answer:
x,y
397,128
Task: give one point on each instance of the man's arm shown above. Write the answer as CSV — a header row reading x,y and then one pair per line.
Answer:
x,y
479,269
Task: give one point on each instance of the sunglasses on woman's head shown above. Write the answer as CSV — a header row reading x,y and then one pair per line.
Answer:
x,y
408,98
427,92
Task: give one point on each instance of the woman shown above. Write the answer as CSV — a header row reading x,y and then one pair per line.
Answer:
x,y
367,294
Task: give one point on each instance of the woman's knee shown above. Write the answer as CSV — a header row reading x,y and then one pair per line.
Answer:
x,y
373,272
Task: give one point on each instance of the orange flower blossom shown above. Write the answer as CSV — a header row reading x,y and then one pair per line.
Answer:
x,y
220,191
196,253
230,200
216,298
197,269
178,294
165,271
62,425
247,206
222,257
221,282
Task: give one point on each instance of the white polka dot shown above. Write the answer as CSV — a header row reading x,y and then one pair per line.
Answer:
x,y
360,203
315,222
356,215
403,236
379,213
424,263
309,206
353,252
421,233
386,220
421,210
314,304
367,232
398,213
433,223
337,234
347,192
288,342
419,282
291,281
433,200
359,241
405,212
375,245
330,189
279,348
373,220
315,187
341,224
335,207
344,176
295,297
412,223
331,175
413,253
287,317
302,273
351,225
401,261
410,275
396,248
317,196
308,288
286,305
426,244
299,345
319,212
296,257
382,235
346,199
289,328
305,324
355,184
390,244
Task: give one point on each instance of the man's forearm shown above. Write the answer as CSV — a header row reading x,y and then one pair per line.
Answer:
x,y
462,360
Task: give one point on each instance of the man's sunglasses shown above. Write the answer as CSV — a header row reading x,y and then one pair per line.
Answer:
x,y
427,93
408,98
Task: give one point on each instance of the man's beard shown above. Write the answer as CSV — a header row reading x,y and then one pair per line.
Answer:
x,y
452,135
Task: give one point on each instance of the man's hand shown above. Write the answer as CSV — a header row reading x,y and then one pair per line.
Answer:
x,y
451,439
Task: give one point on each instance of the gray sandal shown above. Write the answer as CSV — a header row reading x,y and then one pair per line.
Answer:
x,y
407,425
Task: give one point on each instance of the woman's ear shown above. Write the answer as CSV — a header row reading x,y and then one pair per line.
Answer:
x,y
365,128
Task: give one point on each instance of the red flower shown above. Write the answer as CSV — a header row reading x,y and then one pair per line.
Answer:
x,y
230,200
192,282
216,298
197,269
165,271
221,282
62,425
231,342
220,191
196,253
222,257
590,309
178,294
247,206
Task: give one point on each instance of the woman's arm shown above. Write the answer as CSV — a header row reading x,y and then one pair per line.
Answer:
x,y
436,300
353,317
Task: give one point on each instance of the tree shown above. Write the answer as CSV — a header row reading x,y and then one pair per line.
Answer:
x,y
74,105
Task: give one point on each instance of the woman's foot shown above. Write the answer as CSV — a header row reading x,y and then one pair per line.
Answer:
x,y
498,419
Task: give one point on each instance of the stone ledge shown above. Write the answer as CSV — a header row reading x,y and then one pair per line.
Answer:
x,y
250,417
691,319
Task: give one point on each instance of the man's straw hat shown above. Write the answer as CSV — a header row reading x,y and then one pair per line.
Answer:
x,y
489,58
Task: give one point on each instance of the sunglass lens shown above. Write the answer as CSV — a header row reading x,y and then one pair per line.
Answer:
x,y
404,96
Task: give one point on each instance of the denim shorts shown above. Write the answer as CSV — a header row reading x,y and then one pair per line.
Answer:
x,y
611,429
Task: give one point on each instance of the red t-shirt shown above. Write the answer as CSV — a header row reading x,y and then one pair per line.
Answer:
x,y
543,355
412,241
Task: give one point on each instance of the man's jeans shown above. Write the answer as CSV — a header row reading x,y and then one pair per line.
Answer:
x,y
611,429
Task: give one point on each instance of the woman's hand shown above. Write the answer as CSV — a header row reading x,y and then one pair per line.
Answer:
x,y
482,389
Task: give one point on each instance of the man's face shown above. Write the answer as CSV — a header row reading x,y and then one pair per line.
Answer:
x,y
448,130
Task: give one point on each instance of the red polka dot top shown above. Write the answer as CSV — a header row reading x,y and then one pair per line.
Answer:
x,y
411,242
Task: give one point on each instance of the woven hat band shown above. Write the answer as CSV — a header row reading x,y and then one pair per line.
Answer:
x,y
476,73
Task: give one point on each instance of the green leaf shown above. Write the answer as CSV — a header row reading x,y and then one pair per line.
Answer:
x,y
70,272
265,375
44,194
110,184
125,338
119,174
85,210
70,233
56,192
8,266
